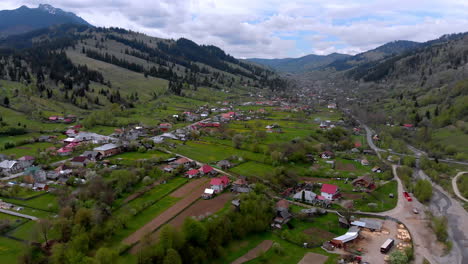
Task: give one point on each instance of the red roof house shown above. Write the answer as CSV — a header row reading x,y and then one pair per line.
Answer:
x,y
218,184
207,169
80,161
192,173
329,191
26,158
165,127
64,151
408,125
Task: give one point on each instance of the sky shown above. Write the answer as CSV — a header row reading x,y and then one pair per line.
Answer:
x,y
275,28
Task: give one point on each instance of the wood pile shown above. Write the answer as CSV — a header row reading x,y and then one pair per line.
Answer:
x,y
403,235
403,246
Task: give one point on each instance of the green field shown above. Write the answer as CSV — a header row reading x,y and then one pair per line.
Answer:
x,y
13,220
380,197
209,152
46,202
158,200
291,252
10,250
33,149
252,168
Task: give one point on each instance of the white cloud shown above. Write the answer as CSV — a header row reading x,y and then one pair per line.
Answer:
x,y
276,28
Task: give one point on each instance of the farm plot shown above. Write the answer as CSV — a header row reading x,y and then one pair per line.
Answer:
x,y
151,204
169,213
202,209
252,168
47,202
209,152
255,252
10,250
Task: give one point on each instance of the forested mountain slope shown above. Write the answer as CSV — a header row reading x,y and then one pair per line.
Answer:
x,y
77,68
426,87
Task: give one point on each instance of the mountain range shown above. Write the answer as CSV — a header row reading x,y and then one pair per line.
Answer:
x,y
336,61
25,19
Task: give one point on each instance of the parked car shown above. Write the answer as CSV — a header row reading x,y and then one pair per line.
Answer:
x,y
407,196
416,211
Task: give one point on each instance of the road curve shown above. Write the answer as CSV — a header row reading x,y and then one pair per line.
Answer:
x,y
455,186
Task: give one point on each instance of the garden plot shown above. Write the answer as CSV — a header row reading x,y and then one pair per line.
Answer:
x,y
169,213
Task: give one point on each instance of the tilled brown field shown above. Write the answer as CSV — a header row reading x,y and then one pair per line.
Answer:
x,y
200,208
192,194
188,188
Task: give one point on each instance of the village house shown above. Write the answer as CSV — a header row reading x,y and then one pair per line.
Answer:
x,y
168,168
46,138
331,106
219,184
329,191
165,127
26,161
364,181
187,163
365,162
240,186
92,155
80,161
208,170
34,175
305,196
327,155
224,164
94,138
369,224
10,166
108,150
191,117
40,186
192,173
64,151
71,132
282,214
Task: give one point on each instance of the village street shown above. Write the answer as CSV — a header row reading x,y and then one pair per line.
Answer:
x,y
441,204
18,214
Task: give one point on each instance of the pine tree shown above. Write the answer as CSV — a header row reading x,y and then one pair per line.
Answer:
x,y
6,101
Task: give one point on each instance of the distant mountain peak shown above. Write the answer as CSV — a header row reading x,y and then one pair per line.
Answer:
x,y
25,19
48,8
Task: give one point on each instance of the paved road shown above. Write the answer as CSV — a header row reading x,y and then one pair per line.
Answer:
x,y
418,153
18,214
455,186
440,204
11,177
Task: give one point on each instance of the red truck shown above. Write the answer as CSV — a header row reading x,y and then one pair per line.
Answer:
x,y
407,196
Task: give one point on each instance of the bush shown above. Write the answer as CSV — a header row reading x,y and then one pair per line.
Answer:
x,y
398,257
278,249
423,190
439,225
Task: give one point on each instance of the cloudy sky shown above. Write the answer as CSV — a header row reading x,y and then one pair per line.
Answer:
x,y
275,28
